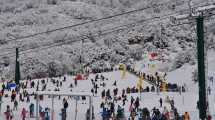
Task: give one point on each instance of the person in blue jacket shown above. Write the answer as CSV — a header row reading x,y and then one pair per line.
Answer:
x,y
105,114
47,116
31,108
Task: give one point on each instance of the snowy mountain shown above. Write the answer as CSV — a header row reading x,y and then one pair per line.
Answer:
x,y
23,17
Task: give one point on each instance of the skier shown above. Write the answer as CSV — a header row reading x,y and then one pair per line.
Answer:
x,y
104,114
124,100
103,94
61,83
88,114
152,89
123,93
92,91
137,104
63,114
41,113
8,113
108,94
96,88
65,105
132,100
83,99
64,78
32,84
13,95
37,89
161,102
120,113
114,84
76,82
211,79
209,90
15,107
28,99
115,92
112,108
31,108
102,105
47,117
24,114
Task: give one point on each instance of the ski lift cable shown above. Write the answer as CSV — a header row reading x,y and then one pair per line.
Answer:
x,y
88,22
66,42
50,45
91,21
56,45
49,31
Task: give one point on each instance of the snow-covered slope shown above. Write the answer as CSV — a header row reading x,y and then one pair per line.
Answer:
x,y
183,102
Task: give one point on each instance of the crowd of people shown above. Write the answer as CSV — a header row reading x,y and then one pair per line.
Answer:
x,y
20,94
116,102
112,109
157,80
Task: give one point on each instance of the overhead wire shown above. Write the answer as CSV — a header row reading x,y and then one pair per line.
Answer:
x,y
95,36
87,22
96,20
105,18
83,23
66,42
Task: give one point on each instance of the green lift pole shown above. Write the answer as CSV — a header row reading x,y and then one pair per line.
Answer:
x,y
17,68
201,68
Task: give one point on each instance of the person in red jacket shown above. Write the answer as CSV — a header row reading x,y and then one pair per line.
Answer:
x,y
209,117
24,113
8,113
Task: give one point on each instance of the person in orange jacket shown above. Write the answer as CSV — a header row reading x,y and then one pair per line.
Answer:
x,y
186,116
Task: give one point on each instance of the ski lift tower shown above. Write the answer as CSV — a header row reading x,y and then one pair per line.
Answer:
x,y
81,57
198,14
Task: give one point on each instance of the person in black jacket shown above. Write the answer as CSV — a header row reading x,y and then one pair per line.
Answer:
x,y
65,105
161,102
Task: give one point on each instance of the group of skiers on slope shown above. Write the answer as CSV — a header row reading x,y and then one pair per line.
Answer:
x,y
20,95
25,96
109,112
110,102
155,113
